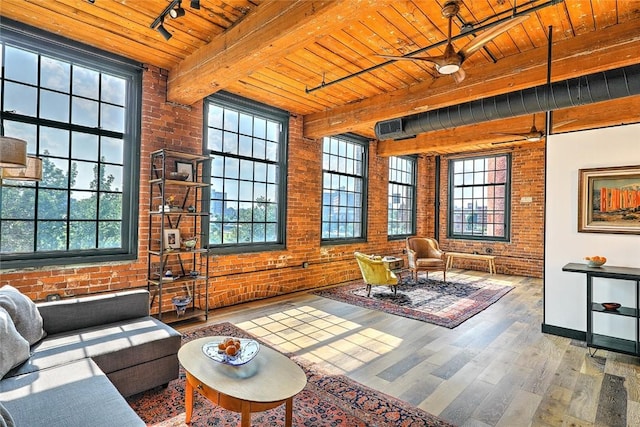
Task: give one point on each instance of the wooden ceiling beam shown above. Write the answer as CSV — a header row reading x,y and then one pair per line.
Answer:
x,y
275,29
610,48
482,135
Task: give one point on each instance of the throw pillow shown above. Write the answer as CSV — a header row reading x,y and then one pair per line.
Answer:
x,y
14,349
5,417
23,311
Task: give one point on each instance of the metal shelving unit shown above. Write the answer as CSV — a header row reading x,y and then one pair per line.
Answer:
x,y
190,266
606,342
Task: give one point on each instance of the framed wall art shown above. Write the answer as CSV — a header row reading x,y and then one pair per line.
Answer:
x,y
609,200
172,238
185,167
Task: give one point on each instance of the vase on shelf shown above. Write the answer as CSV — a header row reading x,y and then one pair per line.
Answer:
x,y
181,303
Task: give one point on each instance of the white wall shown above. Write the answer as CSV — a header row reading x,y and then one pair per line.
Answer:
x,y
565,293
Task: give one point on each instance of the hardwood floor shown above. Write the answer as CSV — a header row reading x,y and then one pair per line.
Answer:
x,y
495,369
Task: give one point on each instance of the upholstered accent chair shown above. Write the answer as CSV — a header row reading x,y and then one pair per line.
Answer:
x,y
424,254
375,272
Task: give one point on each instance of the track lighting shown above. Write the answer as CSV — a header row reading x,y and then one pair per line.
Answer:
x,y
162,30
177,12
174,10
195,4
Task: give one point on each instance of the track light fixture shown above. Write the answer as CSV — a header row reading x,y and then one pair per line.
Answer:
x,y
157,23
177,12
173,10
162,30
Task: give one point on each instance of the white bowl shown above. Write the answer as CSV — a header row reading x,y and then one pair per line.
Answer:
x,y
595,263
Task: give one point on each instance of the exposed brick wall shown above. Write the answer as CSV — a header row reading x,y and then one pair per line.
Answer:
x,y
248,276
522,255
240,277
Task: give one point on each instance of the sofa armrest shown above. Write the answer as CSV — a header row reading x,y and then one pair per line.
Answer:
x,y
77,313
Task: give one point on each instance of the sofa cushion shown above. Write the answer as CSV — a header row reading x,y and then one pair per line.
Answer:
x,y
113,346
14,349
74,395
71,314
6,420
24,313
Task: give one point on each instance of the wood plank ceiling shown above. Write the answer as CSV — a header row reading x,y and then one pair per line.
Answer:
x,y
308,57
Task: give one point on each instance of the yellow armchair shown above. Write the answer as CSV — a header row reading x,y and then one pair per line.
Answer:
x,y
375,272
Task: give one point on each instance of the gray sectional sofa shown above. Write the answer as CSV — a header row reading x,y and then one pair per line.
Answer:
x,y
96,351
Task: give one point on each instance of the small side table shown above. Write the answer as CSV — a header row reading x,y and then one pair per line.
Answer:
x,y
394,264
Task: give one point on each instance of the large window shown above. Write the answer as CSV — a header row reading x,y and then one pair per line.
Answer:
x,y
401,197
479,197
344,164
79,112
247,144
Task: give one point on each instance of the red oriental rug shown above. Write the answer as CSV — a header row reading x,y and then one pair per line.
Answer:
x,y
327,400
433,301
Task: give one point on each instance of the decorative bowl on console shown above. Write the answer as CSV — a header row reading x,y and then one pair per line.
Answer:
x,y
595,261
611,306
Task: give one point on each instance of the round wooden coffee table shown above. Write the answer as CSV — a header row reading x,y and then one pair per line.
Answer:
x,y
267,381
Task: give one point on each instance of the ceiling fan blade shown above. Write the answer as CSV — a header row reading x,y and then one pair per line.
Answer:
x,y
486,36
432,59
523,135
508,142
459,75
563,123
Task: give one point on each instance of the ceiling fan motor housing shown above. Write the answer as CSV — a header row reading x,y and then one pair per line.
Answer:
x,y
450,9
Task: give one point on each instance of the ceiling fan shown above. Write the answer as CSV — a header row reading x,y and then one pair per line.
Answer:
x,y
451,61
534,135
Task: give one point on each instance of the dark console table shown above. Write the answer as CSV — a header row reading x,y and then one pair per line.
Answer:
x,y
606,342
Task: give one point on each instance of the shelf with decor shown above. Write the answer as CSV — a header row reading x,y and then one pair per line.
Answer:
x,y
178,265
600,308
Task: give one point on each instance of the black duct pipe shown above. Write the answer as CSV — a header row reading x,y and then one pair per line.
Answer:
x,y
597,87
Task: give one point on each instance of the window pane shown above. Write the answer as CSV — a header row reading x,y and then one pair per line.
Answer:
x,y
84,205
114,90
477,202
54,142
55,173
84,112
78,204
54,106
82,235
55,74
25,131
84,175
16,236
52,236
109,234
21,99
112,118
52,204
84,146
401,194
20,65
343,190
85,82
112,150
242,162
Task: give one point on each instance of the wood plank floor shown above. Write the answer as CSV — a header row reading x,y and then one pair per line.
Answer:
x,y
496,369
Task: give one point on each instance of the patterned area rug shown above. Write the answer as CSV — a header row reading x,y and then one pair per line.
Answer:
x,y
433,301
327,400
